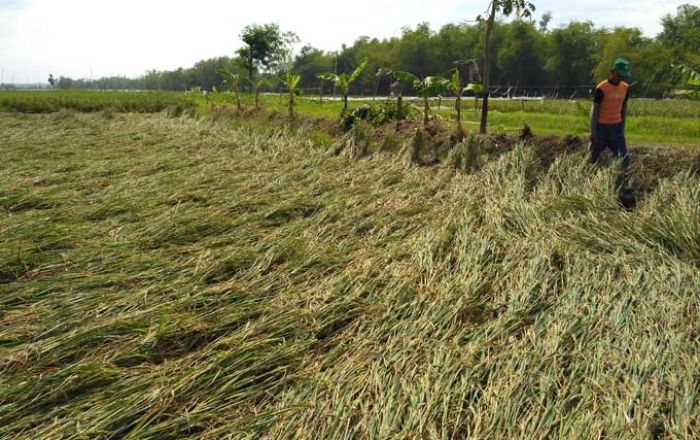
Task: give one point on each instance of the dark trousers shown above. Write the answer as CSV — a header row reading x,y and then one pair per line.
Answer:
x,y
611,136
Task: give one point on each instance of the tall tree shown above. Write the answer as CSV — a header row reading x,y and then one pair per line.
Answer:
x,y
571,55
620,42
414,52
309,63
263,46
506,7
682,33
521,54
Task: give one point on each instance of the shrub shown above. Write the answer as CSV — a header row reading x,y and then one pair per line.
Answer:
x,y
375,114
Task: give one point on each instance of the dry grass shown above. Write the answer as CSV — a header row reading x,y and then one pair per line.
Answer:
x,y
168,278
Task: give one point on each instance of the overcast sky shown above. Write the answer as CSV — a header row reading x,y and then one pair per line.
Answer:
x,y
93,38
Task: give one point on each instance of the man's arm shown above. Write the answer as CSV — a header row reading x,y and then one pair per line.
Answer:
x,y
595,113
624,109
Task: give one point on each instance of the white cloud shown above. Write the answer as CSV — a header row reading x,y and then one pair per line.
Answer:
x,y
83,38
644,14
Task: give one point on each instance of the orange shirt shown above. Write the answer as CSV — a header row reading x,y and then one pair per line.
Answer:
x,y
612,99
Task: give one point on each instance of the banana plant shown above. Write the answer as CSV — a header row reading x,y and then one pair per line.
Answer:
x,y
291,82
343,81
381,73
256,86
456,89
689,76
477,89
233,82
425,88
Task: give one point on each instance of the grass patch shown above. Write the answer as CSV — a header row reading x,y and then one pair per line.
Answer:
x,y
651,122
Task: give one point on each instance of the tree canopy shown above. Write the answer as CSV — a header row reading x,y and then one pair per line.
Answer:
x,y
263,44
527,55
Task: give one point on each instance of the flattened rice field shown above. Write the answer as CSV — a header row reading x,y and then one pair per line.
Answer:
x,y
177,278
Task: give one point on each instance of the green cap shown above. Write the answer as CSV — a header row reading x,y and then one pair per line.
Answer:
x,y
623,67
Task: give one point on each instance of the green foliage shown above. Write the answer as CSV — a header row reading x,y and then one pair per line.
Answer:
x,y
344,81
433,86
568,59
521,53
376,114
257,86
388,111
690,76
522,8
291,83
505,7
571,53
681,33
309,63
263,46
474,88
233,82
652,121
621,41
407,77
383,71
380,74
425,88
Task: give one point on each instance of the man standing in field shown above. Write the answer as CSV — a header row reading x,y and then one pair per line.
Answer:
x,y
610,113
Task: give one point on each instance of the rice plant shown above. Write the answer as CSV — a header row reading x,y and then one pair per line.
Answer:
x,y
177,278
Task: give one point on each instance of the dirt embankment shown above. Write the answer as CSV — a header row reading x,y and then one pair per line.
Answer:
x,y
649,164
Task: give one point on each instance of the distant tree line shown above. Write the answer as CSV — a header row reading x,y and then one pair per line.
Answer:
x,y
527,56
204,74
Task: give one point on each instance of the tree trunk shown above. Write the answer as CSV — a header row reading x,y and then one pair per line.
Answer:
x,y
426,109
487,66
250,64
291,105
399,107
345,102
238,97
458,115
